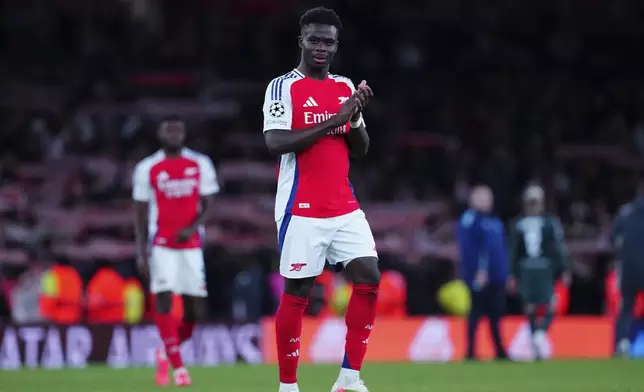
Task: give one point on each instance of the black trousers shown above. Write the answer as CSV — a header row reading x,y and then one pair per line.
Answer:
x,y
490,302
629,289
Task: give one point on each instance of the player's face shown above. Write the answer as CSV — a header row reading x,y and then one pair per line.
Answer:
x,y
534,207
172,134
319,44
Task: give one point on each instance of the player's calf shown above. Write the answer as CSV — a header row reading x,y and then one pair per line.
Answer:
x,y
537,334
288,329
168,327
193,312
360,317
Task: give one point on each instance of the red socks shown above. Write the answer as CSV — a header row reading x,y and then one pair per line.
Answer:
x,y
288,329
169,330
185,331
360,316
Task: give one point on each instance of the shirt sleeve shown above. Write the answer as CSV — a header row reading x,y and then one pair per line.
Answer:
x,y
278,106
349,83
141,189
208,184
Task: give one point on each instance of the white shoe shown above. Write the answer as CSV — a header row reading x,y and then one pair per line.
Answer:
x,y
289,388
357,386
624,349
539,341
349,381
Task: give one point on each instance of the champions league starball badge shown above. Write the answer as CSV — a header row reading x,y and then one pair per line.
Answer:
x,y
277,110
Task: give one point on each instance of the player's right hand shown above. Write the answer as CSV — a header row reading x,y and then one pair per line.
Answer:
x,y
348,109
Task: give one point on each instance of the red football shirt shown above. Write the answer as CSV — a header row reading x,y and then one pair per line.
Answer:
x,y
173,188
315,182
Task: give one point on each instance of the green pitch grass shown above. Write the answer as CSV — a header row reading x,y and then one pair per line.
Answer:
x,y
589,376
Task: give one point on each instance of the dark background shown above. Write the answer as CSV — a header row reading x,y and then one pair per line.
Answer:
x,y
504,93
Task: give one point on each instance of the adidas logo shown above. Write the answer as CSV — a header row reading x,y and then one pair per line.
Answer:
x,y
294,354
310,103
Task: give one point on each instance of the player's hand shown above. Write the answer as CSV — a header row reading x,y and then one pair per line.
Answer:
x,y
566,278
481,279
143,264
185,234
364,93
347,111
511,284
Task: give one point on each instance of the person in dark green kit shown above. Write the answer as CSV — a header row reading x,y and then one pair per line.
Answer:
x,y
537,257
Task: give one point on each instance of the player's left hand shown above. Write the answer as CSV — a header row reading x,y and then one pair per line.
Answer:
x,y
185,234
566,278
511,284
364,94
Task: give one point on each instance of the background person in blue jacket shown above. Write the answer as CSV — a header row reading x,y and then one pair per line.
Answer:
x,y
484,267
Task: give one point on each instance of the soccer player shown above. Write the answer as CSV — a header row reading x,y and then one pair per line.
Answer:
x,y
172,191
537,255
313,122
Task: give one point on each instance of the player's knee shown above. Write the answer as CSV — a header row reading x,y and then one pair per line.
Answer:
x,y
364,270
194,309
163,303
299,287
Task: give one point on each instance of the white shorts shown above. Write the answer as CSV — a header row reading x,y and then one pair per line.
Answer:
x,y
180,271
305,243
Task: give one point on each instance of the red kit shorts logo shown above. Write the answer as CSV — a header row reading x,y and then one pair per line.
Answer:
x,y
297,267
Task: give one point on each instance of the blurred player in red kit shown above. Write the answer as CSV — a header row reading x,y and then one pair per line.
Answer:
x,y
172,191
313,122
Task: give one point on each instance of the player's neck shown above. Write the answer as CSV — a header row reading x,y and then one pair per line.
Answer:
x,y
313,73
172,153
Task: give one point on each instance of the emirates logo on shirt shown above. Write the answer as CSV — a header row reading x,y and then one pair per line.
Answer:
x,y
176,188
311,118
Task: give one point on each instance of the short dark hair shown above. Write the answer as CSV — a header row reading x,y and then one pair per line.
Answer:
x,y
321,15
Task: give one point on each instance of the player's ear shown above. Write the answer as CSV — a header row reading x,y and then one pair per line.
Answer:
x,y
300,42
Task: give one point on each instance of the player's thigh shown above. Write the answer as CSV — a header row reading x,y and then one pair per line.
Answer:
x,y
303,244
164,266
533,298
192,274
545,295
352,240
